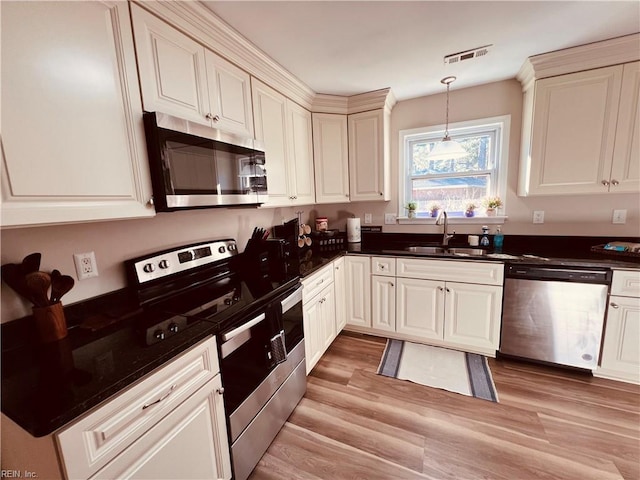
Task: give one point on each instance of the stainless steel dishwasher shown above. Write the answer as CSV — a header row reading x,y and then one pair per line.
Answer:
x,y
554,314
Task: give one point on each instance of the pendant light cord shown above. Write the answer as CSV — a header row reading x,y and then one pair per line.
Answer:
x,y
446,128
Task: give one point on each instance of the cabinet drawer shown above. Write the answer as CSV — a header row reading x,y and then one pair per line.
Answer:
x,y
626,283
316,282
383,266
484,273
92,442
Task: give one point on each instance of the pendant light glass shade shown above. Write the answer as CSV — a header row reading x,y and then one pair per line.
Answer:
x,y
447,149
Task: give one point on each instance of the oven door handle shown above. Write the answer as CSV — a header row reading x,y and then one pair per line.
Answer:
x,y
291,300
242,328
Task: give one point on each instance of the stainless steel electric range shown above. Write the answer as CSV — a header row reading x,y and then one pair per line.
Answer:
x,y
259,331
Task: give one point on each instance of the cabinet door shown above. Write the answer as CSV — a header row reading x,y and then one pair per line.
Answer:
x,y
269,110
73,145
172,69
472,316
300,155
574,127
230,96
312,322
366,156
420,308
625,171
190,442
621,348
331,157
358,290
339,286
328,312
383,299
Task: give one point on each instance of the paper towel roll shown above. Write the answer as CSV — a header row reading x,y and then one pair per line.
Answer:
x,y
353,230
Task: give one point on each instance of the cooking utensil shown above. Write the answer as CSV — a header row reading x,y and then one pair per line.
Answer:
x,y
60,284
38,284
13,276
31,263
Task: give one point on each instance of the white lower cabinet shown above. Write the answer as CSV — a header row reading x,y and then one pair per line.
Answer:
x,y
421,300
620,358
383,303
339,283
169,425
358,290
319,311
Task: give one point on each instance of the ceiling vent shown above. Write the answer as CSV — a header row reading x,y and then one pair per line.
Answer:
x,y
466,55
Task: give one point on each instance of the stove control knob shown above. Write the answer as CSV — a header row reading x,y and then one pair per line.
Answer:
x,y
222,249
149,267
173,327
228,301
159,334
164,264
236,298
232,247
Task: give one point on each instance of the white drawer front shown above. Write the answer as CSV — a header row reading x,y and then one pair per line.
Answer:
x,y
90,443
383,266
626,283
484,273
315,283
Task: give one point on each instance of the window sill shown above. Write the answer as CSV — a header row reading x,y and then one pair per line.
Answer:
x,y
497,220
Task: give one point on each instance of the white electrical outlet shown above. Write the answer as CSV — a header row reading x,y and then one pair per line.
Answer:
x,y
86,266
368,218
390,218
619,216
538,216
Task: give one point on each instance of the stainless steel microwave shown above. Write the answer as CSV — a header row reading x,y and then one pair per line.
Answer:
x,y
195,166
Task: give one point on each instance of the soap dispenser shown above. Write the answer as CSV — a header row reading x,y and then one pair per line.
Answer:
x,y
498,240
484,241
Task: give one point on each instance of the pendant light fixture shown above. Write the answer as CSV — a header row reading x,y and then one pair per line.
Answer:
x,y
447,149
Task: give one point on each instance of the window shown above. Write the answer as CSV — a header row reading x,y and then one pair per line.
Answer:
x,y
453,184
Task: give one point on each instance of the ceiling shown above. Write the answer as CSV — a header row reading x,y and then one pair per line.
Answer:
x,y
345,48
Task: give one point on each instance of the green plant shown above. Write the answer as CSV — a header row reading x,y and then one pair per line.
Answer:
x,y
412,206
492,202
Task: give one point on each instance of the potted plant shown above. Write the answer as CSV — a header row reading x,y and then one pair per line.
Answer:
x,y
492,204
470,209
411,209
434,208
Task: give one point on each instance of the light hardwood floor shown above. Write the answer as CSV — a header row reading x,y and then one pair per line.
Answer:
x,y
549,424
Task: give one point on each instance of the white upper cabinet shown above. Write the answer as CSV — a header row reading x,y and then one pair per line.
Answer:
x,y
369,155
182,78
331,157
581,133
73,145
285,129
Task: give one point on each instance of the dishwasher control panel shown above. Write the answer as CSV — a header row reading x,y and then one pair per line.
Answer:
x,y
561,273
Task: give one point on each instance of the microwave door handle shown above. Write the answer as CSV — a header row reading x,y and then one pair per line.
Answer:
x,y
242,328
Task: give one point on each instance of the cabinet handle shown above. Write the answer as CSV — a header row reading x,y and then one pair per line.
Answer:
x,y
162,398
605,183
220,390
381,267
615,305
615,182
320,282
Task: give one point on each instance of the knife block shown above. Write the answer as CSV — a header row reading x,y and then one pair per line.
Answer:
x,y
51,324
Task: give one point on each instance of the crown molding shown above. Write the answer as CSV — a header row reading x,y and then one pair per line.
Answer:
x,y
383,98
201,24
584,57
324,103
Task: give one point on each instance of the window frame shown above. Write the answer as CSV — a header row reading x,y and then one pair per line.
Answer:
x,y
499,125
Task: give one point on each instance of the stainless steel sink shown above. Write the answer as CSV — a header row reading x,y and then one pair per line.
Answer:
x,y
426,249
475,252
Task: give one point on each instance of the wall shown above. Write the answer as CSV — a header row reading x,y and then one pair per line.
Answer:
x,y
564,215
117,241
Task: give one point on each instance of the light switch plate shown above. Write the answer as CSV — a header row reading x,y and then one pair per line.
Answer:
x,y
390,218
538,216
367,218
619,216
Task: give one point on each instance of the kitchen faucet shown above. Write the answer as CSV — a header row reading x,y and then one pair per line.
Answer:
x,y
445,236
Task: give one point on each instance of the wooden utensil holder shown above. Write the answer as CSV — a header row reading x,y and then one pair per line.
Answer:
x,y
51,323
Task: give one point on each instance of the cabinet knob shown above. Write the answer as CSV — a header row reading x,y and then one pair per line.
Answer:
x,y
615,305
449,291
391,283
150,202
215,118
440,288
220,390
381,193
605,183
615,182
